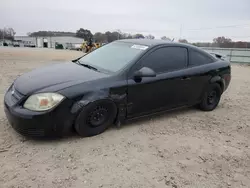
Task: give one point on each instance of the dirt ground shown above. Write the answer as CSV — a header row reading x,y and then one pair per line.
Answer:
x,y
184,148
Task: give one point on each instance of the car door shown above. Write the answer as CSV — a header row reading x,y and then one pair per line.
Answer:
x,y
150,94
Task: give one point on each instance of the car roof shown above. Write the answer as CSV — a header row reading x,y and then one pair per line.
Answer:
x,y
147,42
155,42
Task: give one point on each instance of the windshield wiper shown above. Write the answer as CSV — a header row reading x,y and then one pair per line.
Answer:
x,y
87,66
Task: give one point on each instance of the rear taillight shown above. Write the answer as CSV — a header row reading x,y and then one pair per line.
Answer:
x,y
227,78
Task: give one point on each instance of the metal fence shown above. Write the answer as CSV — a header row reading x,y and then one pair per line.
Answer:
x,y
234,55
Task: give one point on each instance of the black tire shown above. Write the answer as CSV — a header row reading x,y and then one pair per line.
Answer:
x,y
211,97
95,118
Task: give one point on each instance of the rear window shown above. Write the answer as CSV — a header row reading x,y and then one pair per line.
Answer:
x,y
198,58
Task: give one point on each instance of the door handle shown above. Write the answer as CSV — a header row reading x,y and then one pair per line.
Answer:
x,y
185,78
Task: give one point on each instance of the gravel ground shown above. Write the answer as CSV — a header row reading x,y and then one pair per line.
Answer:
x,y
184,148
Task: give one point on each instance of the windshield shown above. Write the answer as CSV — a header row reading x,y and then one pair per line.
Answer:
x,y
112,57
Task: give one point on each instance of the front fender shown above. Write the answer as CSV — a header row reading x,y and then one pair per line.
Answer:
x,y
119,99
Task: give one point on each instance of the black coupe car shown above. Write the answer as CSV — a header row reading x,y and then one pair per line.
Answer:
x,y
119,81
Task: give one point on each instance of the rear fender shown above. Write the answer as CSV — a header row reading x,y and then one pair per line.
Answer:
x,y
215,79
219,80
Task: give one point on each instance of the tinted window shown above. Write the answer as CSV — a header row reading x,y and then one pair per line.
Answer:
x,y
197,58
113,57
166,59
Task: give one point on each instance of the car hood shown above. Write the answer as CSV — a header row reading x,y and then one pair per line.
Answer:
x,y
55,77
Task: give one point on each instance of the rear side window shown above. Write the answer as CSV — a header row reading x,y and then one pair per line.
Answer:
x,y
166,59
197,58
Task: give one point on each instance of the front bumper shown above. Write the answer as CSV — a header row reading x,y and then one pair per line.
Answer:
x,y
56,122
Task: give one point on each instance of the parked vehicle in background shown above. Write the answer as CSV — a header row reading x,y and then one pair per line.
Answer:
x,y
77,47
70,46
30,45
16,44
122,80
58,46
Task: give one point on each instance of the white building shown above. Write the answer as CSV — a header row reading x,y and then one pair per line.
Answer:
x,y
49,42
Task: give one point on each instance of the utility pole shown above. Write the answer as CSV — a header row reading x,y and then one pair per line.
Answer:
x,y
3,33
118,34
180,31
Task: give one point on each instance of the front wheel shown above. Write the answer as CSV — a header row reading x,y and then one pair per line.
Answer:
x,y
211,97
95,118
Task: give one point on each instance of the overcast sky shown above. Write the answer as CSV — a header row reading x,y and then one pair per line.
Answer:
x,y
200,20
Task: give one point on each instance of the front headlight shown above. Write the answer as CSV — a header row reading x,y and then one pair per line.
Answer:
x,y
42,101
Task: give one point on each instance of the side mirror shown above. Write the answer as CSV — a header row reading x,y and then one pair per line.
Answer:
x,y
144,72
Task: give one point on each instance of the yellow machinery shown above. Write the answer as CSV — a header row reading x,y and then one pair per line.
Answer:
x,y
86,48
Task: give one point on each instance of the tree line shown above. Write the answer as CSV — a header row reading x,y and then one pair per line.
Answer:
x,y
51,33
87,34
106,37
223,42
220,42
109,36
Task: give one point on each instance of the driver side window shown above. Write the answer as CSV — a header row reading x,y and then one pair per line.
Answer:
x,y
166,59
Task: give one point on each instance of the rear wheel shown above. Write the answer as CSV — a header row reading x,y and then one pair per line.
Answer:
x,y
211,97
95,118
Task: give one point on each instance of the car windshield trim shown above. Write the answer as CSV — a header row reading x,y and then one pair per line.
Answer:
x,y
95,68
89,66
